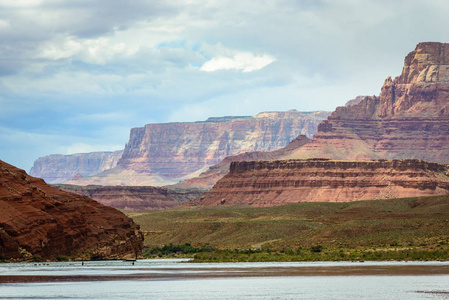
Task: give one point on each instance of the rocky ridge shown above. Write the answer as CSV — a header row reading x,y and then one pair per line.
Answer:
x,y
264,183
134,198
40,222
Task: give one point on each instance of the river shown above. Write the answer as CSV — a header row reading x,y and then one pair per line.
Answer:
x,y
179,279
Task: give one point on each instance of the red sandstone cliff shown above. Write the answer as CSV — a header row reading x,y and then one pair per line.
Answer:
x,y
263,183
38,220
410,118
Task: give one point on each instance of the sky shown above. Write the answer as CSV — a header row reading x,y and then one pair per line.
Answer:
x,y
77,75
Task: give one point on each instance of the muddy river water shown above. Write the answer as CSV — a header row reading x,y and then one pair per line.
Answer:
x,y
179,279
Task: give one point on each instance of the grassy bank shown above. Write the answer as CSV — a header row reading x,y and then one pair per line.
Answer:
x,y
332,254
412,228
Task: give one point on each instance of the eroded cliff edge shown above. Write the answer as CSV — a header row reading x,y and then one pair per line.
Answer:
x,y
271,183
410,118
39,221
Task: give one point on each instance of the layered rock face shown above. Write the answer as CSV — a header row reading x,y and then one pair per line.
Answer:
x,y
263,183
135,197
41,221
410,118
160,154
58,168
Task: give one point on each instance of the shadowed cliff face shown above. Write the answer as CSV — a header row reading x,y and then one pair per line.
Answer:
x,y
263,183
38,220
410,118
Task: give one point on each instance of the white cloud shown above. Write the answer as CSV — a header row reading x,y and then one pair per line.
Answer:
x,y
5,24
244,61
20,3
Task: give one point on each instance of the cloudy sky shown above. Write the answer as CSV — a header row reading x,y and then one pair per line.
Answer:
x,y
76,75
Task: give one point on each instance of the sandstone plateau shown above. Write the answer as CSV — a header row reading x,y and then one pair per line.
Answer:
x,y
271,183
40,221
160,154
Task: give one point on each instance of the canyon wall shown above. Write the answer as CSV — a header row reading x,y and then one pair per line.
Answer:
x,y
160,154
57,168
410,118
271,183
38,221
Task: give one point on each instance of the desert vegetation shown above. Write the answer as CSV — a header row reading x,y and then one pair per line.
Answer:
x,y
409,228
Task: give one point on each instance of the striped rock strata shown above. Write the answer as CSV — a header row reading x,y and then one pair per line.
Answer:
x,y
263,183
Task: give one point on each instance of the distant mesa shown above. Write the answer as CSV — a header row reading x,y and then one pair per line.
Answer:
x,y
57,168
39,222
161,154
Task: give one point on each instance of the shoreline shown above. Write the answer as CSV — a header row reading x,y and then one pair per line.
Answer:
x,y
149,270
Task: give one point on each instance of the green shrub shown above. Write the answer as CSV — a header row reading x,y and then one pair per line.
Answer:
x,y
62,258
316,248
173,249
37,258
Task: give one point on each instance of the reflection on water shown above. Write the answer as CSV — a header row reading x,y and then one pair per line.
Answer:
x,y
175,279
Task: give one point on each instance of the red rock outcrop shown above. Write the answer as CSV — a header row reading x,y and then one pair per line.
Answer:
x,y
58,168
410,118
135,197
263,183
161,154
39,220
